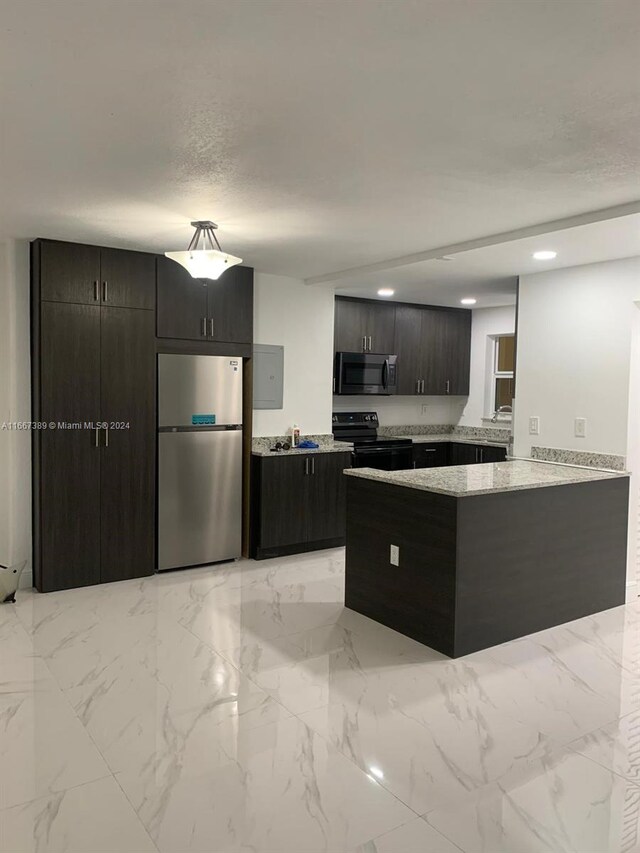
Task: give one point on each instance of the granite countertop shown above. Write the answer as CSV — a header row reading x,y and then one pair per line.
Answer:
x,y
452,437
464,480
328,447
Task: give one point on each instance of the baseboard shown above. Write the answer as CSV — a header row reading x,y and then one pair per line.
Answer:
x,y
631,592
299,548
26,579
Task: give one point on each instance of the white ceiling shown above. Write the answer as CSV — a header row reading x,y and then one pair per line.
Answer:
x,y
489,274
321,135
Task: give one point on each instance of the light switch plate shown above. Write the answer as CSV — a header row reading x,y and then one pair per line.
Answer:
x,y
394,555
581,427
534,425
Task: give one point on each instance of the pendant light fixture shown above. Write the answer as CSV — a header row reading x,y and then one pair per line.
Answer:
x,y
206,262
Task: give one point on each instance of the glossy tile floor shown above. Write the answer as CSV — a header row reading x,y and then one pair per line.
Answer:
x,y
243,708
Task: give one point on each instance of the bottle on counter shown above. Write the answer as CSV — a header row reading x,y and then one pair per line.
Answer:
x,y
295,435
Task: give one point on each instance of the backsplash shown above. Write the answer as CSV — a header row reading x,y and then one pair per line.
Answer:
x,y
488,433
579,457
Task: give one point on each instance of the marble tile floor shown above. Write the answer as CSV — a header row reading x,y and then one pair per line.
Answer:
x,y
242,709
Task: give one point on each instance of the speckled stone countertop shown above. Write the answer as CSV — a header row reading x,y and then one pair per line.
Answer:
x,y
261,447
457,439
464,480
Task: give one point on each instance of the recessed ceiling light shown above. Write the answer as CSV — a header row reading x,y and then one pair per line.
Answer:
x,y
375,771
386,291
468,301
544,255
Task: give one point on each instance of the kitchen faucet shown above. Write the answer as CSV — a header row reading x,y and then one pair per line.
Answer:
x,y
500,411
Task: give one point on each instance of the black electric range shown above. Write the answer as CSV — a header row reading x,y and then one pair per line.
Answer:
x,y
369,451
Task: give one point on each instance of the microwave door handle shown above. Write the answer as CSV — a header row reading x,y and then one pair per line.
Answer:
x,y
385,372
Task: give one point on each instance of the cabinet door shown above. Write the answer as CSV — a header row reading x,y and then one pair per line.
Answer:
x,y
493,454
127,279
407,347
350,327
69,272
230,306
68,508
431,455
128,451
326,507
182,303
464,454
283,501
452,341
380,326
446,345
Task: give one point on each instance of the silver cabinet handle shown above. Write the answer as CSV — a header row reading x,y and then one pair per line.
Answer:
x,y
106,436
313,465
204,327
105,291
364,344
429,449
306,466
211,326
97,437
448,385
417,386
96,291
482,454
422,385
369,343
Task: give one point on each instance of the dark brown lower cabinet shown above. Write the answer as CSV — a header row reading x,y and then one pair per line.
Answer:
x,y
94,464
298,503
471,454
434,455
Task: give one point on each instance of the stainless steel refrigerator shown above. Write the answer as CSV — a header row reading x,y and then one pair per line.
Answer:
x,y
200,459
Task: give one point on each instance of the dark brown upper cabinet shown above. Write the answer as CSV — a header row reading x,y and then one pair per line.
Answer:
x,y
410,349
202,309
450,333
68,272
363,325
230,306
127,279
91,275
182,303
433,344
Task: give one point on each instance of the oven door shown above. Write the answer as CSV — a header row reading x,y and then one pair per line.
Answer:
x,y
383,458
365,373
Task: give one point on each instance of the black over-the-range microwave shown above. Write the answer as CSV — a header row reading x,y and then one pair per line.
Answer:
x,y
364,373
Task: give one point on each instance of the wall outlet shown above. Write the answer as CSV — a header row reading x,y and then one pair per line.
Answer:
x,y
534,425
394,555
581,427
425,409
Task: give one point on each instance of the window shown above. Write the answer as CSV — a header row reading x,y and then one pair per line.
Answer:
x,y
503,365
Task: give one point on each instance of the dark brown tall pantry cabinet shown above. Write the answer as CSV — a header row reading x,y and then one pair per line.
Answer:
x,y
93,402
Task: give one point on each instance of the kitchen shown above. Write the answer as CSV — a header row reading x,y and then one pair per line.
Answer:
x,y
416,630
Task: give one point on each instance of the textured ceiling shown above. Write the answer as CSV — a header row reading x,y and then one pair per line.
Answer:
x,y
320,135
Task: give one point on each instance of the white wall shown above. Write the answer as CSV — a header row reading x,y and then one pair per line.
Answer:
x,y
300,318
15,405
484,322
574,351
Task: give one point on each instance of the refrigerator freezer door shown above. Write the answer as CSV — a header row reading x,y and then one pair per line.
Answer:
x,y
190,385
200,498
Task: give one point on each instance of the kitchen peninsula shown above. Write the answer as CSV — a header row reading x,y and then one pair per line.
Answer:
x,y
486,553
